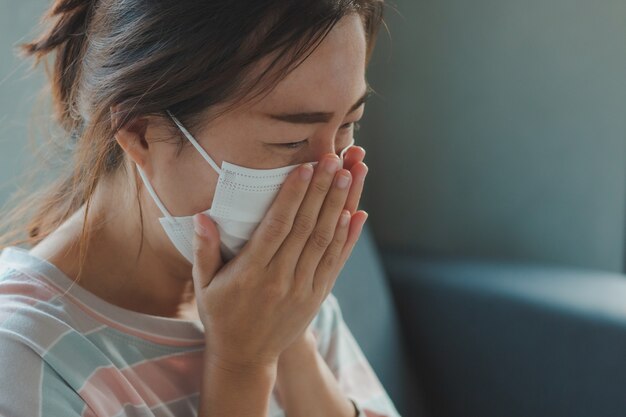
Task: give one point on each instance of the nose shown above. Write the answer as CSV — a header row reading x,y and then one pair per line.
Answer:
x,y
338,148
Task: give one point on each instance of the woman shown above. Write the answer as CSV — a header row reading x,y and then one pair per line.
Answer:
x,y
172,280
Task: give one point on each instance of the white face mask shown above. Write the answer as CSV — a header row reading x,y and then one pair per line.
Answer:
x,y
242,198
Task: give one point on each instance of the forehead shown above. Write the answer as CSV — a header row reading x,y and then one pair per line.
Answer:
x,y
333,75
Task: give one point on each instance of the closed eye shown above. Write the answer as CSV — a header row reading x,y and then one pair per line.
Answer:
x,y
294,145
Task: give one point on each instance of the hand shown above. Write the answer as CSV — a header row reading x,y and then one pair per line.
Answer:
x,y
353,162
257,304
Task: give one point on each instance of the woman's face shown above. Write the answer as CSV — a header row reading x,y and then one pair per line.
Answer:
x,y
310,113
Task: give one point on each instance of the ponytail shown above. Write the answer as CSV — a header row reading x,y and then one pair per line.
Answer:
x,y
67,37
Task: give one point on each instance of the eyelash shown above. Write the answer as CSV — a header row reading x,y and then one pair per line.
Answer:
x,y
294,145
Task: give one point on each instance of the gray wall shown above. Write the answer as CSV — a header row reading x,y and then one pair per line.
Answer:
x,y
19,91
499,130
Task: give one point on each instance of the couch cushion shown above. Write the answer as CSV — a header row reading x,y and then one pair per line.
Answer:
x,y
496,338
367,306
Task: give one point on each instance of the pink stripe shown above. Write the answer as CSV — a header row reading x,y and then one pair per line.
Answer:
x,y
8,310
130,330
88,412
106,392
26,289
167,378
16,295
370,413
148,383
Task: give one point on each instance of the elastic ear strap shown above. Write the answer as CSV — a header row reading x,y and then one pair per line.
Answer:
x,y
152,193
195,143
346,149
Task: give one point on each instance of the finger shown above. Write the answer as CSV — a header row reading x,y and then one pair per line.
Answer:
x,y
306,217
359,171
356,227
277,223
325,229
352,156
206,251
328,267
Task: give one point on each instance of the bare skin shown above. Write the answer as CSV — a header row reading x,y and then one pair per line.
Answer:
x,y
161,282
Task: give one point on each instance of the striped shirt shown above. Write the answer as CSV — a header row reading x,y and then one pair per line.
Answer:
x,y
66,352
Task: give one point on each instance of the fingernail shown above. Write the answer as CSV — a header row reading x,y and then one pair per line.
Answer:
x,y
331,164
366,170
343,181
306,172
200,230
345,218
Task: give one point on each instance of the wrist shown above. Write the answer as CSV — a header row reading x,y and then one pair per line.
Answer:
x,y
237,368
225,383
301,349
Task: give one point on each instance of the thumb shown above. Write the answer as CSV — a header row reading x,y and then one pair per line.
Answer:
x,y
206,250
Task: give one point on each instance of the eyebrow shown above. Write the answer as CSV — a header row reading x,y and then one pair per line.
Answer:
x,y
317,117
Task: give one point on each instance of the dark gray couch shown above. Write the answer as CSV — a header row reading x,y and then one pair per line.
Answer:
x,y
476,338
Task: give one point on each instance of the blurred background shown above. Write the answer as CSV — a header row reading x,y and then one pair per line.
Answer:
x,y
498,128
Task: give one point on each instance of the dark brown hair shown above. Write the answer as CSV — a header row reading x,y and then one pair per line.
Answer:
x,y
146,56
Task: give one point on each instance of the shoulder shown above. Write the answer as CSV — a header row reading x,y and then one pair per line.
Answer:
x,y
30,386
31,310
40,349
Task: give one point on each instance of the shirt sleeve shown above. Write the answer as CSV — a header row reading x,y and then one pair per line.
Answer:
x,y
29,387
347,362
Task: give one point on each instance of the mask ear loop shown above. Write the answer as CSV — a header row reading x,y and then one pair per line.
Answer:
x,y
342,153
152,193
195,143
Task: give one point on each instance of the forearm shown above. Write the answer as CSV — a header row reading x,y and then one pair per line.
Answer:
x,y
307,387
235,391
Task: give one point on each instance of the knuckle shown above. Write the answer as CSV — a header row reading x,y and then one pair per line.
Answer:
x,y
321,187
274,290
303,225
335,201
299,293
197,251
252,257
322,237
277,227
239,286
329,260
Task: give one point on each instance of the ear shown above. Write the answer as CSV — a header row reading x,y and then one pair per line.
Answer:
x,y
132,138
